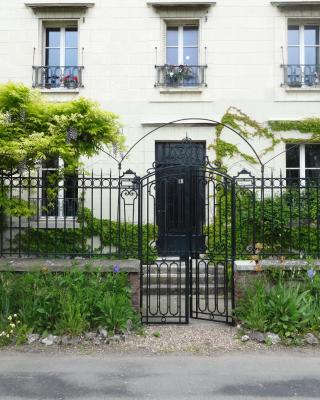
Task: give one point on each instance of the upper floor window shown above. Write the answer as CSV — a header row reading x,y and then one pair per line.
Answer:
x,y
303,161
303,56
181,66
60,66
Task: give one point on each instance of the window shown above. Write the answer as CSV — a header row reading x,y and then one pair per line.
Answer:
x,y
182,47
303,161
59,197
60,67
181,56
303,55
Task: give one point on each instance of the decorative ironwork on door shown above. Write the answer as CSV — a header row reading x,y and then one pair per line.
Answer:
x,y
186,237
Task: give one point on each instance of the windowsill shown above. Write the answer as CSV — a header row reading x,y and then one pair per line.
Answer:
x,y
60,90
302,89
182,89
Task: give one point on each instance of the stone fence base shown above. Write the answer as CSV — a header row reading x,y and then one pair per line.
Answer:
x,y
131,267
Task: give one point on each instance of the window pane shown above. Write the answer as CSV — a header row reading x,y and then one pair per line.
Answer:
x,y
53,37
293,36
311,55
292,177
313,174
53,57
311,35
71,37
312,155
172,36
190,55
190,36
292,156
172,55
293,55
71,57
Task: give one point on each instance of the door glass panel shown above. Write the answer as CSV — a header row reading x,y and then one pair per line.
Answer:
x,y
190,55
310,55
71,57
172,55
311,35
172,36
53,57
293,55
293,35
190,36
312,155
53,37
71,37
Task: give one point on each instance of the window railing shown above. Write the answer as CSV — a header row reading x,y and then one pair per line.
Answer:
x,y
298,75
180,75
53,77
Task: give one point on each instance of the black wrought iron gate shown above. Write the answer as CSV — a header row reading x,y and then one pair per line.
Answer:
x,y
186,239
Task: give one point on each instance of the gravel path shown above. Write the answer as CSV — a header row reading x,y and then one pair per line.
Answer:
x,y
199,337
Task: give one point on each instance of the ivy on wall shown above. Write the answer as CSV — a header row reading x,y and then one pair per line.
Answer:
x,y
309,125
248,128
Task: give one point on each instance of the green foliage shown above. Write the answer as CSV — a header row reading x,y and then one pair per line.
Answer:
x,y
114,312
67,303
280,304
253,305
285,223
308,125
248,128
32,130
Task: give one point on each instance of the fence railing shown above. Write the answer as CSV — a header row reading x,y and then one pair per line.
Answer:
x,y
98,215
180,75
298,75
53,77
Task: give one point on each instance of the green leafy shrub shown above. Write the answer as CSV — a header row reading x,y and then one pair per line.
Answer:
x,y
67,303
276,303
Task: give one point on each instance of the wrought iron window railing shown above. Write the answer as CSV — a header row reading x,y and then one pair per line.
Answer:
x,y
298,75
180,75
53,77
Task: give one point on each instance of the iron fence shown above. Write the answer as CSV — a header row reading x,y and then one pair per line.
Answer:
x,y
95,215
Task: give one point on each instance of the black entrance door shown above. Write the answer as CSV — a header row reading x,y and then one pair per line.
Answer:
x,y
180,197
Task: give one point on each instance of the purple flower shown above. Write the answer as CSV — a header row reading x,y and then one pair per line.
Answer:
x,y
311,273
116,268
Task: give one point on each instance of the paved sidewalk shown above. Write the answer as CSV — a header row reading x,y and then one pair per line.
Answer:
x,y
260,375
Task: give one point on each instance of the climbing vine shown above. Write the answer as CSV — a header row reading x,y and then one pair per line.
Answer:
x,y
248,128
308,125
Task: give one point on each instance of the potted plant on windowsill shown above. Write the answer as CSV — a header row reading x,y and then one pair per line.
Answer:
x,y
70,82
175,75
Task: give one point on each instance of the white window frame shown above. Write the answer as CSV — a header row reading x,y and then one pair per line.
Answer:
x,y
62,25
61,194
180,25
301,45
302,164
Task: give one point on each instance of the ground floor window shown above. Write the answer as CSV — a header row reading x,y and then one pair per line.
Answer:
x,y
303,161
59,192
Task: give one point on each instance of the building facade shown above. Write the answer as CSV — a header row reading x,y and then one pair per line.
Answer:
x,y
154,61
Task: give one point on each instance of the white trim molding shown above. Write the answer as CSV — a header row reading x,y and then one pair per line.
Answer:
x,y
166,3
290,3
57,3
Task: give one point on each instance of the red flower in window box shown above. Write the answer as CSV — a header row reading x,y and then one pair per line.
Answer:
x,y
70,81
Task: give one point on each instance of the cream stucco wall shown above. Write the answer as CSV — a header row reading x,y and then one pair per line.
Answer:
x,y
243,42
